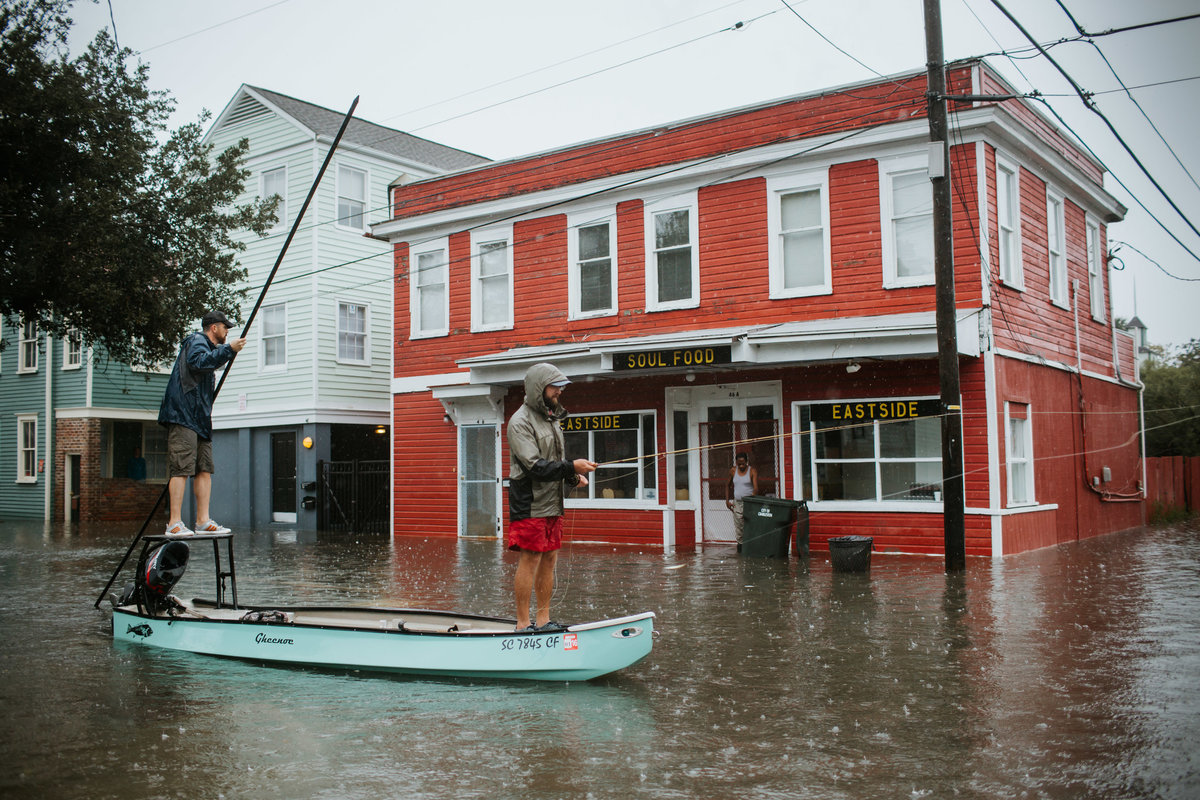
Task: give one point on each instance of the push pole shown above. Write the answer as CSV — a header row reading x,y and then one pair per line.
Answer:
x,y
258,304
943,267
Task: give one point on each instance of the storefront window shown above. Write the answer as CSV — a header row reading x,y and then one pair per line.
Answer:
x,y
624,446
871,450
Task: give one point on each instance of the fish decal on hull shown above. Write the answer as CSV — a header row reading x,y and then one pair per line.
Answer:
x,y
140,630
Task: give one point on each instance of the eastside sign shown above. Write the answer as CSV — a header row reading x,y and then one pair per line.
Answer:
x,y
863,411
678,357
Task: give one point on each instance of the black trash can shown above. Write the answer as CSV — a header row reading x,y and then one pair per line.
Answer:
x,y
851,553
768,528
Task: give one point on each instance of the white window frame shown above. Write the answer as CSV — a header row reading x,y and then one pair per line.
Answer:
x,y
264,336
1056,247
1019,427
415,252
281,210
1095,263
27,452
72,345
777,189
576,221
343,221
681,202
157,469
486,237
592,496
27,347
889,170
804,443
365,333
1012,266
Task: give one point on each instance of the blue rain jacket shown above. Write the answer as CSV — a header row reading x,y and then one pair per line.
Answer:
x,y
189,397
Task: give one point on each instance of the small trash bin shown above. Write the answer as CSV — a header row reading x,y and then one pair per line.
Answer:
x,y
851,553
768,527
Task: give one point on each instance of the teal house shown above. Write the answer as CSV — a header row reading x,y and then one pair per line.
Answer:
x,y
79,438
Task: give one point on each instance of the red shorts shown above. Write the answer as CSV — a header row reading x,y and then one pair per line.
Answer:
x,y
536,534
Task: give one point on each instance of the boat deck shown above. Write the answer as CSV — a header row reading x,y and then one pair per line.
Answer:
x,y
360,618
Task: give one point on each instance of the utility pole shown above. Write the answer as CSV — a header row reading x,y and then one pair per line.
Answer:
x,y
953,502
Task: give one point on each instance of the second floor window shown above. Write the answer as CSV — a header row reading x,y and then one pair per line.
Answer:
x,y
491,279
1008,221
352,198
352,333
1056,250
908,226
429,298
73,350
799,222
28,347
274,182
673,275
274,336
1095,260
593,279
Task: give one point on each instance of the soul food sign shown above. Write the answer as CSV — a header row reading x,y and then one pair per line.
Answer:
x,y
678,357
865,410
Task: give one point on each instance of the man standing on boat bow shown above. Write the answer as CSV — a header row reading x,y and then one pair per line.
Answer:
x,y
539,478
186,413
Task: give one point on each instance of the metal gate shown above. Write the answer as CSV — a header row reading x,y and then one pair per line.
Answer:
x,y
353,496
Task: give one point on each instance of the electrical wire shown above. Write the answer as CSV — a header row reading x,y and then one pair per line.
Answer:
x,y
1091,106
1127,91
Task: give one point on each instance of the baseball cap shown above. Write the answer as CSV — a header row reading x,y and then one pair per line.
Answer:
x,y
213,317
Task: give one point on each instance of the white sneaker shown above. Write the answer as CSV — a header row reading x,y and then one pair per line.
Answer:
x,y
212,526
178,529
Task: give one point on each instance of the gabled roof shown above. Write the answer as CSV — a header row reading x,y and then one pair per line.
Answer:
x,y
247,104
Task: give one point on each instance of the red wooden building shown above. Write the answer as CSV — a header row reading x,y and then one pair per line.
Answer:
x,y
761,280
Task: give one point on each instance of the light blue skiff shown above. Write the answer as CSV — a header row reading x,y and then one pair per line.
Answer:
x,y
412,641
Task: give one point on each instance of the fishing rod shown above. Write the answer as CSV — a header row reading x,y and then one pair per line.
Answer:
x,y
245,328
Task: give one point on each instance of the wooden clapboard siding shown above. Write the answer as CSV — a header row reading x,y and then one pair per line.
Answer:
x,y
424,486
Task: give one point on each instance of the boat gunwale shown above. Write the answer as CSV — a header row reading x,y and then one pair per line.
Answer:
x,y
132,611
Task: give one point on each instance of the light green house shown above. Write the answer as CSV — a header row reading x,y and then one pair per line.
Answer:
x,y
301,425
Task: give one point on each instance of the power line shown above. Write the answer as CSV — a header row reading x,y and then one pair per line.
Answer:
x,y
561,63
1128,93
829,41
735,27
1090,104
211,27
1165,271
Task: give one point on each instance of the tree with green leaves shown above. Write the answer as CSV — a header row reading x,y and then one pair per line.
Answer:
x,y
110,225
1172,403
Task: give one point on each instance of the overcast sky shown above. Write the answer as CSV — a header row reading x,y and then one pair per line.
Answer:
x,y
503,79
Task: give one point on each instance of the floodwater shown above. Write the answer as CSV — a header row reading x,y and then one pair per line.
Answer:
x,y
1071,672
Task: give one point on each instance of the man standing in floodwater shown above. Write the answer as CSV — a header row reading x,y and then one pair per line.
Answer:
x,y
539,478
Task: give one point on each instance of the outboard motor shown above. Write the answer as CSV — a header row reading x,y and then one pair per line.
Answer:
x,y
164,567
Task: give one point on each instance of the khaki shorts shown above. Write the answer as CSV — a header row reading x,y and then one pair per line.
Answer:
x,y
187,453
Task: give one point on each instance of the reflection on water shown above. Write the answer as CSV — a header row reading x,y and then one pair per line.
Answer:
x,y
1068,672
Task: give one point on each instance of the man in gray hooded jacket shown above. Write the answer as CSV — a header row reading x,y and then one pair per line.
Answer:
x,y
539,478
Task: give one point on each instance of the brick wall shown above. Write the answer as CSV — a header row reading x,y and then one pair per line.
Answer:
x,y
100,499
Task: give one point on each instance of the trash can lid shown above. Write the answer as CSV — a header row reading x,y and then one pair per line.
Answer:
x,y
850,539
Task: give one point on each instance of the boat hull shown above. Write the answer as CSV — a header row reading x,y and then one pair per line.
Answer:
x,y
400,640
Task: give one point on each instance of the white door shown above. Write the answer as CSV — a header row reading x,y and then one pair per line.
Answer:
x,y
479,480
742,421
